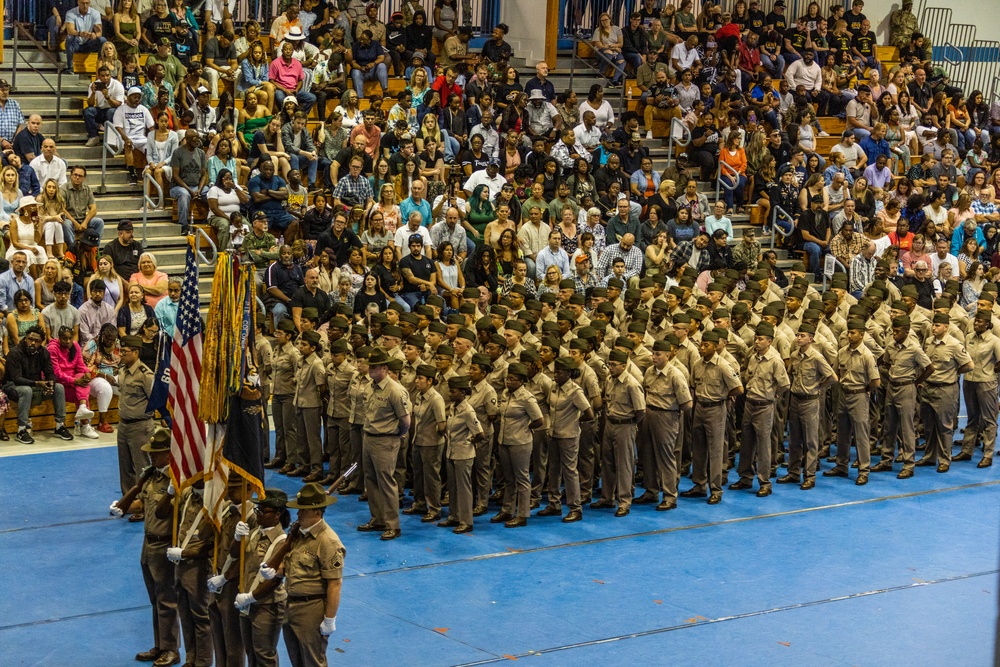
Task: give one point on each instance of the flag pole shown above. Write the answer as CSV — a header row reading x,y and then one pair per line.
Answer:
x,y
243,542
176,512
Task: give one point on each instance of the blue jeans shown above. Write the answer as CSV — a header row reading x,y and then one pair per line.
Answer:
x,y
860,134
815,255
398,299
74,45
183,197
774,66
23,399
619,61
306,100
633,59
413,299
304,164
451,146
741,185
280,312
69,233
94,118
380,72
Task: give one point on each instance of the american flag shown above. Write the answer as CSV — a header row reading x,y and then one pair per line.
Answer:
x,y
187,449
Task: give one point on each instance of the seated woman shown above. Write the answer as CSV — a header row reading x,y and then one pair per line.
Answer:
x,y
103,356
72,373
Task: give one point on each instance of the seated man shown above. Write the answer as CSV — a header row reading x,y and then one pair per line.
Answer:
x,y
83,31
190,174
367,59
29,368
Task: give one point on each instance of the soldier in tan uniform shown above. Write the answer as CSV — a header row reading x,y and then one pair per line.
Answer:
x,y
625,407
905,366
387,419
519,416
158,573
483,399
339,373
667,397
809,372
539,385
980,387
228,642
310,388
939,399
428,446
464,436
858,376
357,394
766,379
715,382
135,424
284,362
260,620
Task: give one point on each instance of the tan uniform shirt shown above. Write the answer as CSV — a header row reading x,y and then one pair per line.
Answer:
x,y
808,371
856,367
195,532
517,411
310,377
338,382
285,361
540,386
358,393
135,384
314,559
567,403
666,389
714,379
905,361
388,404
765,375
484,401
428,412
984,349
152,491
463,425
623,397
261,544
947,355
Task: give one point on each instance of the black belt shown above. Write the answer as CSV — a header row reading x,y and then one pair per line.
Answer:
x,y
710,404
123,420
381,435
940,384
306,598
750,401
851,392
655,409
805,397
157,538
900,384
621,422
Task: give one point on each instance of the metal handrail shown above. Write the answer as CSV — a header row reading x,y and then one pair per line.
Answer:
x,y
683,141
719,183
147,179
944,54
775,210
836,263
57,89
109,130
198,231
995,89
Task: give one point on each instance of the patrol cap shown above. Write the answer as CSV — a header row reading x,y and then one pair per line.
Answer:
x,y
564,364
991,287
682,318
467,309
645,283
382,318
941,303
633,293
856,325
662,345
455,318
764,329
565,316
579,344
588,332
606,308
715,286
595,325
392,330
136,341
311,313
445,350
987,297
483,323
876,293
519,289
363,352
857,310
805,327
548,298
470,293
984,315
616,283
416,340
392,305
395,365
640,316
636,327
312,337
533,305
773,309
515,325
340,322
673,340
720,314
705,301
899,304
695,314
829,296
761,274
686,281
409,318
909,290
618,356
622,341
339,346
528,356
798,267
710,336
467,334
437,327
427,371
941,318
740,308
497,339
286,325
159,443
797,293
274,498
434,300
902,321
499,311
577,299
359,329
839,280
567,283
812,314
519,370
311,496
459,382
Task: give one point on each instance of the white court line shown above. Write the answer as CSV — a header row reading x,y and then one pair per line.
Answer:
x,y
46,443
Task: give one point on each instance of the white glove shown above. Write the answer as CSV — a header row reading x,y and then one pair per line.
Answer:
x,y
267,572
242,530
328,626
174,554
216,583
244,600
117,511
170,489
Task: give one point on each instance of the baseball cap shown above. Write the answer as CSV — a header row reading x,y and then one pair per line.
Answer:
x,y
125,226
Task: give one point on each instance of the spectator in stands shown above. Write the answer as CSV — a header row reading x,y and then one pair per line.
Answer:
x,y
225,199
124,251
95,312
11,116
220,61
152,281
28,142
807,73
72,373
83,33
367,59
268,192
419,273
134,312
43,168
287,77
358,146
15,279
281,280
300,148
541,82
627,251
103,356
496,49
635,45
338,240
553,254
685,54
166,310
855,159
60,313
189,168
134,122
174,70
353,189
105,95
860,114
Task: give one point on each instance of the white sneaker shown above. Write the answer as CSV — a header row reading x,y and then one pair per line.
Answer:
x,y
84,413
93,141
824,133
88,431
649,134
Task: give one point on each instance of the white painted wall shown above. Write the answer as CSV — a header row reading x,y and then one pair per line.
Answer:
x,y
526,19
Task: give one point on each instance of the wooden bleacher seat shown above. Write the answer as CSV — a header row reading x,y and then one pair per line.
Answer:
x,y
198,208
86,63
43,416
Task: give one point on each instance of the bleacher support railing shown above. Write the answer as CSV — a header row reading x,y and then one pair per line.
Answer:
x,y
22,30
147,181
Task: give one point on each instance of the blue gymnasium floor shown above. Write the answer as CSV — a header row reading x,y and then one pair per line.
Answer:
x,y
899,572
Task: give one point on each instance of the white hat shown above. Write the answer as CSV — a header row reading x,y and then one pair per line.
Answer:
x,y
295,34
290,98
202,89
537,94
25,202
134,90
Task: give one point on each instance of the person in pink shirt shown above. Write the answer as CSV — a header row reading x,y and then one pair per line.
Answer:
x,y
72,373
286,74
